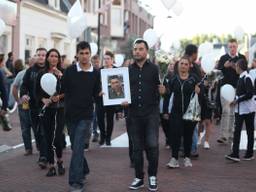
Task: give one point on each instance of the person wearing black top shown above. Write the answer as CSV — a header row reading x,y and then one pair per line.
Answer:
x,y
53,115
81,87
3,95
28,95
143,114
182,85
109,111
244,112
227,66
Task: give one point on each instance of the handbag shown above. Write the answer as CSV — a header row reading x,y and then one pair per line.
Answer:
x,y
193,112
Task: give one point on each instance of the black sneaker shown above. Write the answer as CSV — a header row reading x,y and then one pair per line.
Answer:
x,y
86,147
232,157
136,184
61,168
95,138
152,183
248,157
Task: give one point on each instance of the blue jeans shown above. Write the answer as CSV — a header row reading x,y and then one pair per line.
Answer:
x,y
194,140
25,125
78,164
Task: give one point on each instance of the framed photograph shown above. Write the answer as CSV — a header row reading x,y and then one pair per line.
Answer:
x,y
115,86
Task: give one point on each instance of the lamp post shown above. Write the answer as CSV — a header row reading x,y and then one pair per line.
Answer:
x,y
98,42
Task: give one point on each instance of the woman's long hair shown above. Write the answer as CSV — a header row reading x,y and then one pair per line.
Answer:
x,y
47,64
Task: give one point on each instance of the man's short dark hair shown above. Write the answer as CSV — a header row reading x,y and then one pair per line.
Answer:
x,y
110,54
191,49
95,57
242,64
138,41
114,77
10,54
232,40
41,49
83,45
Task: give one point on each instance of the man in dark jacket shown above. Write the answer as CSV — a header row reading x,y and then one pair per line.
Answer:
x,y
227,66
29,95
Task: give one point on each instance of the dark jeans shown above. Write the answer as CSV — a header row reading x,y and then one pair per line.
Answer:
x,y
249,124
25,125
37,125
128,128
94,123
53,121
145,134
109,111
179,129
78,164
165,126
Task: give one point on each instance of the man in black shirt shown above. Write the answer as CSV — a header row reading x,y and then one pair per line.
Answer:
x,y
144,114
81,86
227,66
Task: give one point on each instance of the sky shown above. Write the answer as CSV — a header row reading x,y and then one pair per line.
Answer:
x,y
200,17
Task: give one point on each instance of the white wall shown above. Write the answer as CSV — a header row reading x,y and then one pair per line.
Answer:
x,y
41,23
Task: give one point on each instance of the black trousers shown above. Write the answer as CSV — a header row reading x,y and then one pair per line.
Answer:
x,y
37,126
144,135
179,129
128,128
53,122
165,127
109,111
249,124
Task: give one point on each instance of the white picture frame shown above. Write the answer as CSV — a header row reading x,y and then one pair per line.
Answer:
x,y
115,86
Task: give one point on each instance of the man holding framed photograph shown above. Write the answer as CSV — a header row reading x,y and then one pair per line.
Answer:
x,y
143,114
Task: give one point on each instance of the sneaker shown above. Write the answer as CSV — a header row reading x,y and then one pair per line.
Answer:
x,y
173,163
152,183
206,145
108,142
248,157
28,152
222,140
187,162
86,147
76,188
95,138
232,157
42,162
51,172
61,168
136,184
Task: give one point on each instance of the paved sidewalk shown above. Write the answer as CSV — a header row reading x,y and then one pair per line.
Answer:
x,y
110,171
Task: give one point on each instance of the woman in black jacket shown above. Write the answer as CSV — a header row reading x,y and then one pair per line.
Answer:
x,y
182,85
53,116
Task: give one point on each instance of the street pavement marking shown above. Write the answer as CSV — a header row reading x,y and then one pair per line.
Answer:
x,y
119,142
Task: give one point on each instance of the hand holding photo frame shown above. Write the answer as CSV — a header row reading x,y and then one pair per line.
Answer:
x,y
115,86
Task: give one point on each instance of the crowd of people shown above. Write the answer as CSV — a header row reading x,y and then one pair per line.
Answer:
x,y
78,105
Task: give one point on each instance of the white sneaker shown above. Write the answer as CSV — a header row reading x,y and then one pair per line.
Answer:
x,y
173,163
187,162
206,145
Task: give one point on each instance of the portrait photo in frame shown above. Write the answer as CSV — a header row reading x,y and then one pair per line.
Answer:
x,y
115,86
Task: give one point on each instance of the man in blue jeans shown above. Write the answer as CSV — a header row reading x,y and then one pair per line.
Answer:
x,y
81,85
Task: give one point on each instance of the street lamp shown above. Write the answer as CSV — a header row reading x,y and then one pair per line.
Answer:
x,y
98,42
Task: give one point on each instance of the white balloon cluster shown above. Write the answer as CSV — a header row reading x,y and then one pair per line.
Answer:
x,y
8,12
94,48
76,20
119,60
150,37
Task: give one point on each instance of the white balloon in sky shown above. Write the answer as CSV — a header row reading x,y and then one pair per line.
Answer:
x,y
178,8
94,48
2,26
168,3
205,48
119,60
150,37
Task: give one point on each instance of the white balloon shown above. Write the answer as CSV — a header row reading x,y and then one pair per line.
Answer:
x,y
239,33
205,48
2,27
76,20
168,3
119,60
178,8
227,91
48,83
208,63
8,12
150,37
94,48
